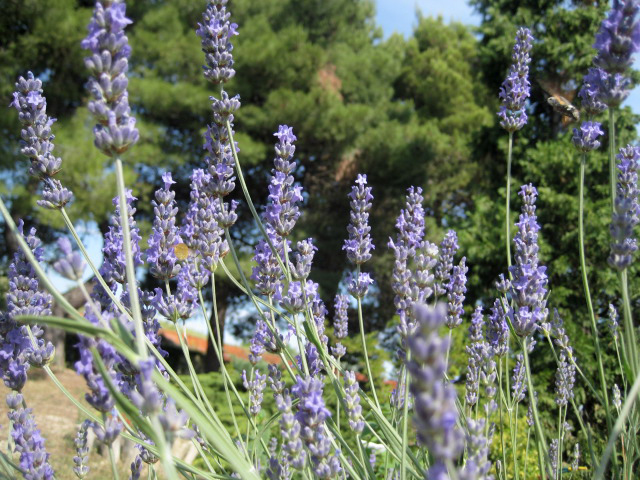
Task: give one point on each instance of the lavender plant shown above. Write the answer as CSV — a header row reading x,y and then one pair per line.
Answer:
x,y
430,431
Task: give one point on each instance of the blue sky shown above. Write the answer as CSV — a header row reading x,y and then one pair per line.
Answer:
x,y
400,16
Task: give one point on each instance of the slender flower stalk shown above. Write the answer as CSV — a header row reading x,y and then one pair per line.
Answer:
x,y
586,139
513,95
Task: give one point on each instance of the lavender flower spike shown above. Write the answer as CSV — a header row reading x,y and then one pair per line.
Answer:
x,y
282,212
216,32
586,139
516,87
352,400
627,211
456,289
81,459
340,324
161,255
28,441
435,410
618,38
359,244
72,264
529,286
107,63
448,248
37,140
23,298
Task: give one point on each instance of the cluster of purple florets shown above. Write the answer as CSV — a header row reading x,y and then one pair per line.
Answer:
x,y
516,87
108,64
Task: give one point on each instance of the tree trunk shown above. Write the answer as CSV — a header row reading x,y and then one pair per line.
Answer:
x,y
211,361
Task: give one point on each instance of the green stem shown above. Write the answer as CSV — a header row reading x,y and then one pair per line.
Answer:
x,y
629,328
618,427
92,266
539,435
502,447
508,203
405,421
130,269
612,159
364,350
587,293
112,458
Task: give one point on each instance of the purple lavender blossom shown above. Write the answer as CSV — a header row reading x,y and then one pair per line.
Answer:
x,y
200,230
113,267
359,244
28,441
435,410
290,429
529,286
163,263
565,379
410,222
81,459
276,384
616,42
106,434
98,396
422,279
318,313
180,305
498,330
618,38
267,275
340,324
174,422
401,285
613,321
294,300
108,64
586,138
591,92
255,387
23,298
314,364
282,211
146,396
37,140
302,259
136,468
352,401
358,285
518,384
516,87
312,414
455,294
71,266
263,340
475,329
626,209
448,249
477,465
216,32
220,159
